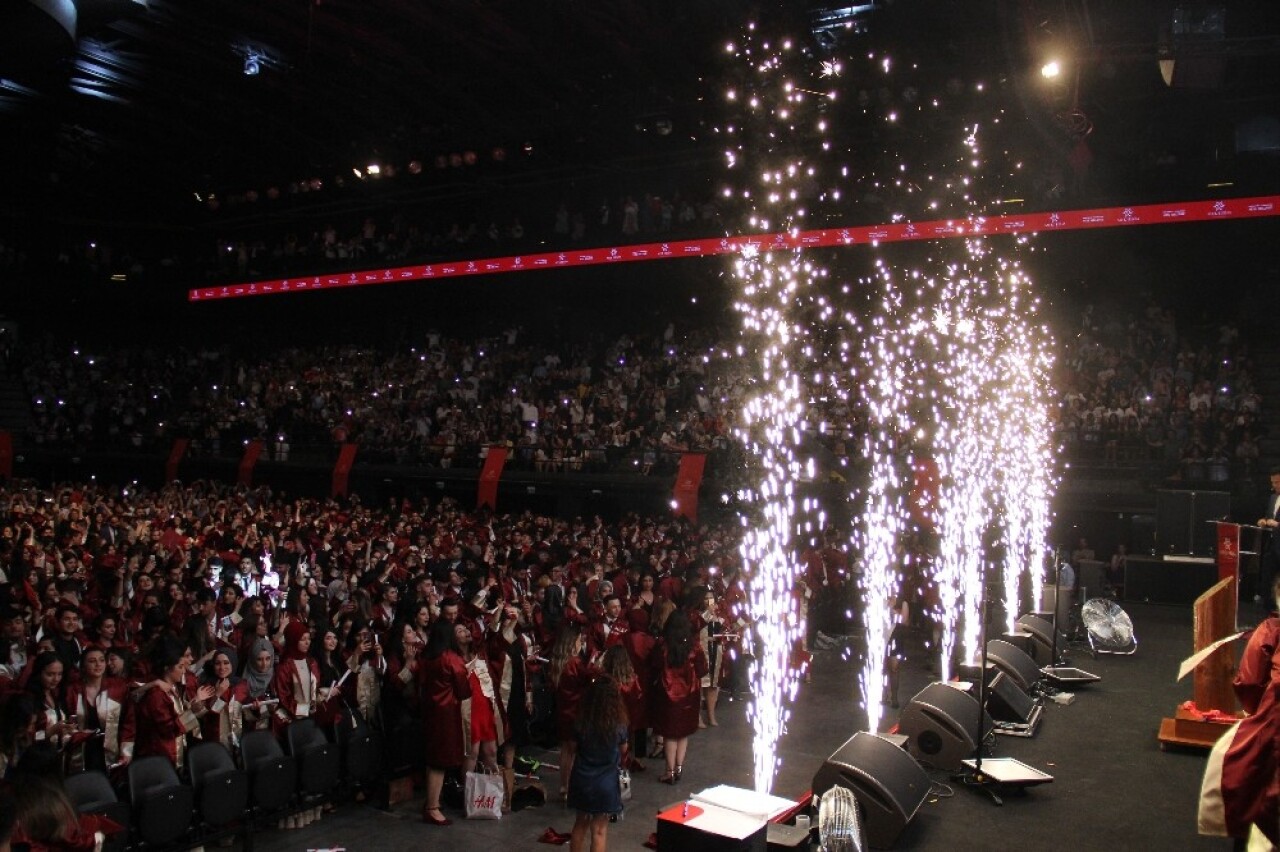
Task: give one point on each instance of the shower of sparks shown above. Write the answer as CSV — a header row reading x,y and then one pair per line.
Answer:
x,y
939,360
775,286
888,359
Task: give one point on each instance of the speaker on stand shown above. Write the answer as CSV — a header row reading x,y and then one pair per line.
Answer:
x,y
886,781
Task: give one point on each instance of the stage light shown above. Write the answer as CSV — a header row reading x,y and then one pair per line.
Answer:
x,y
251,64
1051,69
373,170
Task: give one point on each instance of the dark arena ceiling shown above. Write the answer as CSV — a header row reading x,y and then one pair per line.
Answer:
x,y
140,111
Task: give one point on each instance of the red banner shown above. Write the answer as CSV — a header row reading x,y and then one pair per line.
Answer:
x,y
1228,551
6,454
684,497
923,502
487,491
176,452
342,470
252,450
869,235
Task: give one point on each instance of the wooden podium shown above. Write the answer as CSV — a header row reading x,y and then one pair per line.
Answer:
x,y
1215,618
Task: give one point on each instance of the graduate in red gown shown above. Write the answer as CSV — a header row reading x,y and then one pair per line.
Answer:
x,y
165,714
1251,768
297,678
679,665
442,678
569,675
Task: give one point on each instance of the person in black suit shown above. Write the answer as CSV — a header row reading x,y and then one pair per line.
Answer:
x,y
1270,563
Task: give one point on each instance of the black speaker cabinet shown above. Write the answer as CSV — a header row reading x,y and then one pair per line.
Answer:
x,y
1007,702
1041,630
887,782
1020,668
1180,521
941,724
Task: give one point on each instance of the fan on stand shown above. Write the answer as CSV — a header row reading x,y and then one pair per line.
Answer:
x,y
1109,627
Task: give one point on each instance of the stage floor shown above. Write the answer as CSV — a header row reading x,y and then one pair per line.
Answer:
x,y
1113,789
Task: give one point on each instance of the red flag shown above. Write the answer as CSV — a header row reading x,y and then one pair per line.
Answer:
x,y
342,470
176,452
487,491
1228,550
924,492
252,450
684,496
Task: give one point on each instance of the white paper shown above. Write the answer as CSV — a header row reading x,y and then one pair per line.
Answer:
x,y
1189,664
724,822
761,806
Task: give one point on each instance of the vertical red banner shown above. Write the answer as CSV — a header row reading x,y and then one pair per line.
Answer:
x,y
1228,551
176,452
342,470
684,496
6,454
252,450
487,491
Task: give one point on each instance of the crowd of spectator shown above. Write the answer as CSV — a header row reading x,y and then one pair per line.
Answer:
x,y
1140,388
203,612
1131,389
623,404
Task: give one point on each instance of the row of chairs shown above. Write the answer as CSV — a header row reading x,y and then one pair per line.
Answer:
x,y
223,798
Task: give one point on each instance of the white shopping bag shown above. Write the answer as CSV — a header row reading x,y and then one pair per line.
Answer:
x,y
484,796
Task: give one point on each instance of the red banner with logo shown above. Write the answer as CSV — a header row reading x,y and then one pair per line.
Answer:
x,y
342,470
252,450
1170,212
1228,550
6,454
487,491
684,496
176,452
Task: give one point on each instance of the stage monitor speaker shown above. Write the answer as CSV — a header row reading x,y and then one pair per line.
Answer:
x,y
1041,630
1011,660
1007,702
941,723
887,782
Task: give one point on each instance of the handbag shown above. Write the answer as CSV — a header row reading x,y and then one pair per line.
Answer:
x,y
483,796
624,782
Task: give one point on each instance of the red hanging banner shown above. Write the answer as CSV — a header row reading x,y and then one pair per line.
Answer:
x,y
6,455
688,480
252,450
1228,550
342,470
487,491
176,452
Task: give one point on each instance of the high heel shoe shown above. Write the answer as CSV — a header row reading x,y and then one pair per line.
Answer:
x,y
679,772
668,777
430,820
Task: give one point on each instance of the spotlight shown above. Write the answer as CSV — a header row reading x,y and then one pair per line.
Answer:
x,y
251,64
1051,69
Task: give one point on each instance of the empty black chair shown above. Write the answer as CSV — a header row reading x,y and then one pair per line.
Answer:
x,y
273,775
91,793
162,805
319,761
222,788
